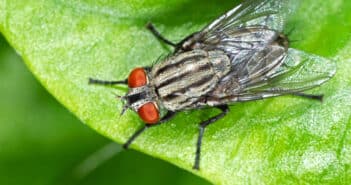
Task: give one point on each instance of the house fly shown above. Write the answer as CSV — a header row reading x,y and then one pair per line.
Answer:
x,y
241,56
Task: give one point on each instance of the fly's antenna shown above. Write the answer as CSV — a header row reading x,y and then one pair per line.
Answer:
x,y
125,105
118,96
103,82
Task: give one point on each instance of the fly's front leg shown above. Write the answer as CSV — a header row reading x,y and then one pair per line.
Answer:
x,y
104,82
202,126
167,117
158,35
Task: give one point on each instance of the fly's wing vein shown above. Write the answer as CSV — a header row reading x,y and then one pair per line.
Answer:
x,y
251,25
299,72
266,13
245,31
258,67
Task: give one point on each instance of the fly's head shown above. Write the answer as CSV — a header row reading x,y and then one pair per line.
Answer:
x,y
141,97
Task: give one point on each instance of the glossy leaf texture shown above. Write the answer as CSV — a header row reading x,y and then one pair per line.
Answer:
x,y
274,141
43,143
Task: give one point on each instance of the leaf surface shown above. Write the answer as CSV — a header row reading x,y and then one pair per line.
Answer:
x,y
273,141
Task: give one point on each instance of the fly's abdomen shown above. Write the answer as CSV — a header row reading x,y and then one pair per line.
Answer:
x,y
183,81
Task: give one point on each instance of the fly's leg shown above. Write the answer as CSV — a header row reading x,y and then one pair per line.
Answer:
x,y
318,97
135,135
165,118
184,45
103,82
158,35
202,126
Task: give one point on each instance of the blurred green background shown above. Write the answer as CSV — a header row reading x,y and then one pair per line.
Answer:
x,y
41,143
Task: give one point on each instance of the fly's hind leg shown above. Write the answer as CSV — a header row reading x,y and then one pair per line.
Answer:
x,y
202,126
318,97
158,35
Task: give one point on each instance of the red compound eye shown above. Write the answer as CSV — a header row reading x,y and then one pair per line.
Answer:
x,y
149,113
137,78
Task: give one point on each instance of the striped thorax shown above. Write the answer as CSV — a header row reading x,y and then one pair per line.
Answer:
x,y
181,81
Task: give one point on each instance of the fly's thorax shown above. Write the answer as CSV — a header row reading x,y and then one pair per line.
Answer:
x,y
183,80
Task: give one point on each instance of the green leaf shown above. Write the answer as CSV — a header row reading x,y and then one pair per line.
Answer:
x,y
42,143
273,141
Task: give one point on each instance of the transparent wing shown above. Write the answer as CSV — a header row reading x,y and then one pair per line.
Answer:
x,y
265,13
240,42
251,25
252,69
249,28
300,72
